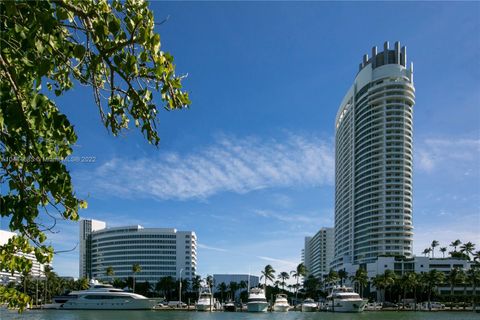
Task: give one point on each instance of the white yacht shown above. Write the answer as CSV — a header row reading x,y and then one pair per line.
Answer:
x,y
344,299
103,297
281,303
205,300
309,305
257,301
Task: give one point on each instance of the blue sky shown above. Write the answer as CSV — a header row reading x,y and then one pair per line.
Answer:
x,y
250,167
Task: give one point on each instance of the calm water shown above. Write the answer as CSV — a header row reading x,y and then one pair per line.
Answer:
x,y
174,315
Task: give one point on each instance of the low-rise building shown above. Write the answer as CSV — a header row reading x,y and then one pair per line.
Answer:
x,y
37,270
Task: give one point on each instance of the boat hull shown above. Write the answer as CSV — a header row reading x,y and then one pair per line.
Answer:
x,y
307,308
203,307
114,304
281,308
347,306
257,307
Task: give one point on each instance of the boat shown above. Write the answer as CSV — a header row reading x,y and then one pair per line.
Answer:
x,y
229,306
257,301
344,299
281,303
205,300
309,305
103,297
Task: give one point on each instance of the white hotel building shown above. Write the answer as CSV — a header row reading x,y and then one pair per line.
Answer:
x,y
373,161
160,252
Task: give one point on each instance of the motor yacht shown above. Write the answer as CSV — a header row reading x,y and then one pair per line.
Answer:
x,y
257,301
103,297
229,306
344,299
205,300
309,305
281,303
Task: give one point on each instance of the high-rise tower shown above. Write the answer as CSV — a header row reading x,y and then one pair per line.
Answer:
x,y
373,160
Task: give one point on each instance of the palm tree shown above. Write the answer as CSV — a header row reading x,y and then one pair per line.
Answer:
x,y
300,271
222,287
233,286
426,251
361,278
410,281
473,275
332,277
476,257
467,248
135,269
268,274
443,250
209,281
453,278
382,282
342,275
432,279
196,283
110,272
434,244
283,276
455,244
311,285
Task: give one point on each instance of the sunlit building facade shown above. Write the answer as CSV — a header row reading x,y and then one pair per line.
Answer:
x,y
160,252
318,252
373,161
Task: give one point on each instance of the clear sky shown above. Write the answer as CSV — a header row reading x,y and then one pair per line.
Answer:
x,y
250,167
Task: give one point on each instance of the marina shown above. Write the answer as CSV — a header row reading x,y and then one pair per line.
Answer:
x,y
182,315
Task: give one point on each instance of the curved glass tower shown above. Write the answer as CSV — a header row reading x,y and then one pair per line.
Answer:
x,y
373,160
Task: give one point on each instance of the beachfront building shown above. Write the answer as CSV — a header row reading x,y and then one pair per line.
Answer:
x,y
373,161
160,252
403,265
37,270
318,252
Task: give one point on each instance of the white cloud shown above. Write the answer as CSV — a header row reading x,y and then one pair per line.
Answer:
x,y
230,164
289,217
280,262
455,153
204,246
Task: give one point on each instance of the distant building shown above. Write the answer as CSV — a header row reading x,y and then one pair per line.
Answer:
x,y
238,278
373,161
318,252
85,259
160,252
415,264
37,268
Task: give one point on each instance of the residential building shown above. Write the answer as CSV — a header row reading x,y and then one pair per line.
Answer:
x,y
160,252
373,161
37,270
401,266
85,259
318,252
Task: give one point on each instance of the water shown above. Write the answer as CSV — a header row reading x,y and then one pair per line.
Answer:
x,y
178,315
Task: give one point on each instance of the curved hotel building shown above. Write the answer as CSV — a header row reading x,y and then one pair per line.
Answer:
x,y
373,161
160,252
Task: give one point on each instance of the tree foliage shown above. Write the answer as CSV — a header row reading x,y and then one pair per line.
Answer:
x,y
47,47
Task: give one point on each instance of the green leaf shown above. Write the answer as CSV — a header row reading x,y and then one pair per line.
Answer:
x,y
79,51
